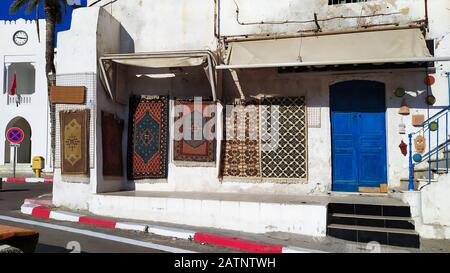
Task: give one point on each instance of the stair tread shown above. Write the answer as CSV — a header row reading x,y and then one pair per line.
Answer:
x,y
375,217
375,229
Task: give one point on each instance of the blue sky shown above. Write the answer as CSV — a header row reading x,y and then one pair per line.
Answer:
x,y
4,14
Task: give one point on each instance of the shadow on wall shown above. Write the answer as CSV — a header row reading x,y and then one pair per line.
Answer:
x,y
257,83
126,41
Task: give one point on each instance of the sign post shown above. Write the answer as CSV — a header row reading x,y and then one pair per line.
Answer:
x,y
15,136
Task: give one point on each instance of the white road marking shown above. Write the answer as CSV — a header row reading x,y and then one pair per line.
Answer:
x,y
98,235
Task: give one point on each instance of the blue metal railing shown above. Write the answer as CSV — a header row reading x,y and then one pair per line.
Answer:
x,y
435,122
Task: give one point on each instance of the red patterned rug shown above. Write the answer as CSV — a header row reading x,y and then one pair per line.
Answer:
x,y
148,138
194,145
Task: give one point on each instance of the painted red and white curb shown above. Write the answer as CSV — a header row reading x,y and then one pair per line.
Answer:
x,y
26,180
211,239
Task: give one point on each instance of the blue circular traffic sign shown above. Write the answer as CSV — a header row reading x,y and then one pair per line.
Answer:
x,y
15,135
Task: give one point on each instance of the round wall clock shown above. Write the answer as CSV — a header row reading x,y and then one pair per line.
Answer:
x,y
20,38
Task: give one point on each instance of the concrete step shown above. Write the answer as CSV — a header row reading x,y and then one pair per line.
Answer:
x,y
371,221
387,225
369,209
374,229
384,236
373,217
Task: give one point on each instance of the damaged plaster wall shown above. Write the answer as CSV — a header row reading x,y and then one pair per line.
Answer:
x,y
240,17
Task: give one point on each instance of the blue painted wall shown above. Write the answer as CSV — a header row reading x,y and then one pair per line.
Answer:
x,y
5,15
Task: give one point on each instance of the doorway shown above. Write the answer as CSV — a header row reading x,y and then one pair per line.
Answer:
x,y
358,126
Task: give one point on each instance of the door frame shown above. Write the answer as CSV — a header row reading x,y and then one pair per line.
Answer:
x,y
386,174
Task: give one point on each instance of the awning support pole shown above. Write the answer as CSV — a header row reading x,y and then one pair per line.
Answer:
x,y
237,82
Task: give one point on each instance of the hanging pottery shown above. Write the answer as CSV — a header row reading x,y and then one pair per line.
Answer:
x,y
430,80
404,108
400,92
418,120
403,148
417,158
402,128
419,144
433,126
430,100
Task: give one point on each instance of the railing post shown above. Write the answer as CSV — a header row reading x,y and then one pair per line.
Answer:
x,y
429,153
446,142
437,146
411,166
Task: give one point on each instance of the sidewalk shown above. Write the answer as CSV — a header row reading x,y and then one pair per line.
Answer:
x,y
274,242
25,177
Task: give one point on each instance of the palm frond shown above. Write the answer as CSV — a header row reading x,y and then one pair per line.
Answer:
x,y
17,5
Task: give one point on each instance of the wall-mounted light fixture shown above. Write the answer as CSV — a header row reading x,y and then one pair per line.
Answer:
x,y
158,76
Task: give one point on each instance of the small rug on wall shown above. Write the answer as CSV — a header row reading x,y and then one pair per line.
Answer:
x,y
284,138
194,145
74,142
241,151
148,138
112,129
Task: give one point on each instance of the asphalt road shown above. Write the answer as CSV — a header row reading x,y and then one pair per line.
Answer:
x,y
65,237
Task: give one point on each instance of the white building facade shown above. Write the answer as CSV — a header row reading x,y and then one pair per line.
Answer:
x,y
251,47
24,56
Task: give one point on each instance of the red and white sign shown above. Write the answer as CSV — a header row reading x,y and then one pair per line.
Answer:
x,y
15,135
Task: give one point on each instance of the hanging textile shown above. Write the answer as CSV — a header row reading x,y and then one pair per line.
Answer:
x,y
283,134
74,142
148,138
241,149
112,129
194,145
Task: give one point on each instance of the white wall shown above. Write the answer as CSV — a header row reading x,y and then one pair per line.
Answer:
x,y
36,112
274,16
188,24
78,52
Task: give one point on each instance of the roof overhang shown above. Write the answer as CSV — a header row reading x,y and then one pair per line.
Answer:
x,y
355,48
164,59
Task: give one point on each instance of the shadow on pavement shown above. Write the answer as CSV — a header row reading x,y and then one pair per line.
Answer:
x,y
43,248
14,190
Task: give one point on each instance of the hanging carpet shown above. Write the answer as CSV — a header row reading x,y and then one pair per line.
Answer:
x,y
74,142
148,138
241,153
194,145
112,129
283,134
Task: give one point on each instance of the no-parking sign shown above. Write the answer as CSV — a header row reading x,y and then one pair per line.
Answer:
x,y
15,135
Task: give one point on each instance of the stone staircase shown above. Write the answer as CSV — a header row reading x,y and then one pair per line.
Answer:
x,y
364,223
422,174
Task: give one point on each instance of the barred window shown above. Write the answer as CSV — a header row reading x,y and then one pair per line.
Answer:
x,y
337,2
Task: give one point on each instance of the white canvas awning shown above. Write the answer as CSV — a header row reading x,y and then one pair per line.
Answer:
x,y
377,47
158,60
161,62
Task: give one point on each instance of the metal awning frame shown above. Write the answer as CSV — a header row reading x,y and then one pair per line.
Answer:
x,y
333,63
109,58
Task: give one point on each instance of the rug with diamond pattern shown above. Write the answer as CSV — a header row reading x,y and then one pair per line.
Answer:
x,y
241,153
283,154
74,142
194,145
148,138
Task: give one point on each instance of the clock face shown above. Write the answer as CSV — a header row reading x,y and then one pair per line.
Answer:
x,y
20,38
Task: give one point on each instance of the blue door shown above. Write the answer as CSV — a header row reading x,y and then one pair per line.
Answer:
x,y
358,125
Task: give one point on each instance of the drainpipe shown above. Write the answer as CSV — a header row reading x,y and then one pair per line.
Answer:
x,y
217,7
426,16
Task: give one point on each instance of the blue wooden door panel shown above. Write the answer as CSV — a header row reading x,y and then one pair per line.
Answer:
x,y
358,135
